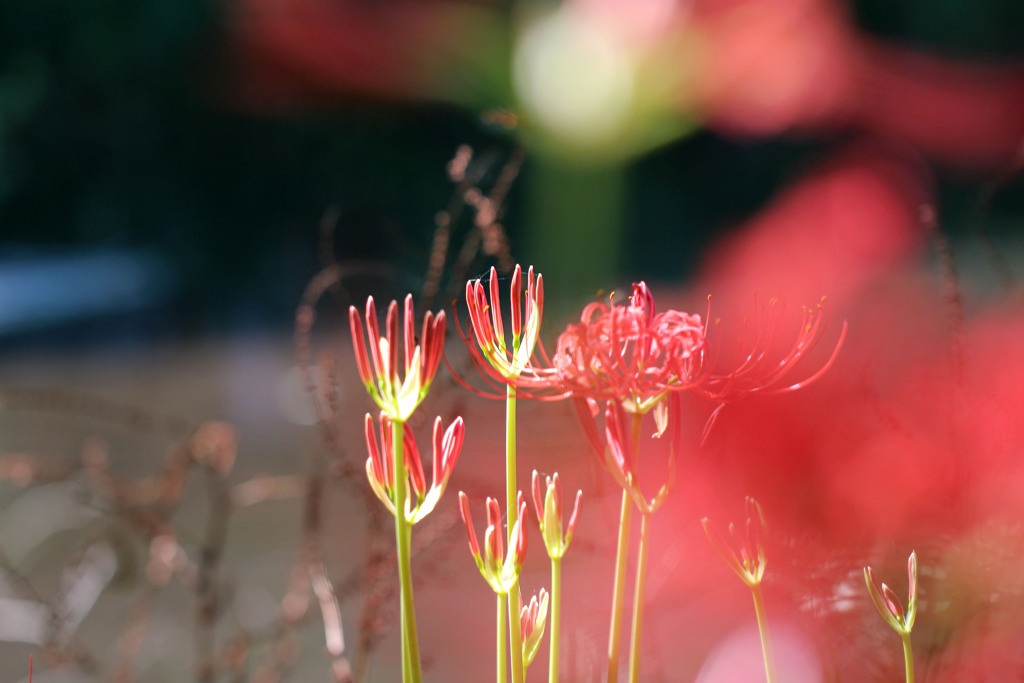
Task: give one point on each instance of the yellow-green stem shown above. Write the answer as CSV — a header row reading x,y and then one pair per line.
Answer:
x,y
638,600
411,672
762,627
621,554
515,635
502,643
511,492
556,618
625,519
908,657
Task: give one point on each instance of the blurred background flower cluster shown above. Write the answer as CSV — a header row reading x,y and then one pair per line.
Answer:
x,y
172,174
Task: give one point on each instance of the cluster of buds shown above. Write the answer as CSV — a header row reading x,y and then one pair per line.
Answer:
x,y
397,397
499,570
499,360
548,505
745,556
532,620
420,500
888,605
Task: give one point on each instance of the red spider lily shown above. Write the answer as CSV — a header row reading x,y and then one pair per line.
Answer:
x,y
499,570
397,397
420,500
888,605
548,506
746,557
501,363
532,621
631,354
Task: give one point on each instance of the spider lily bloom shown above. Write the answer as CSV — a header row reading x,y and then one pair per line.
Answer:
x,y
499,362
419,500
532,619
499,570
888,604
548,506
379,371
630,353
748,561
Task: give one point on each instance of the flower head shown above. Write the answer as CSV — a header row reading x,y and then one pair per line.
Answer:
x,y
630,353
420,500
398,398
502,360
548,506
499,570
745,556
532,619
888,605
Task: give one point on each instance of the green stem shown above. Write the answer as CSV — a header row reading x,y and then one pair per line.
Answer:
x,y
556,618
515,636
502,643
762,627
511,492
638,600
625,518
908,657
411,672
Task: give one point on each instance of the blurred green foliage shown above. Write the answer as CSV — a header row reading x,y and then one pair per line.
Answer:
x,y
118,128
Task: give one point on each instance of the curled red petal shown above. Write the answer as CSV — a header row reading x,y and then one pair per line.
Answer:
x,y
374,452
409,330
538,499
413,463
467,521
515,293
359,346
499,327
391,326
574,516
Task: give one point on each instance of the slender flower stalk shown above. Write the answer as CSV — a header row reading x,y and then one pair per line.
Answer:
x,y
622,547
746,557
638,599
502,649
888,605
398,397
511,362
548,506
501,572
411,668
408,493
619,587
